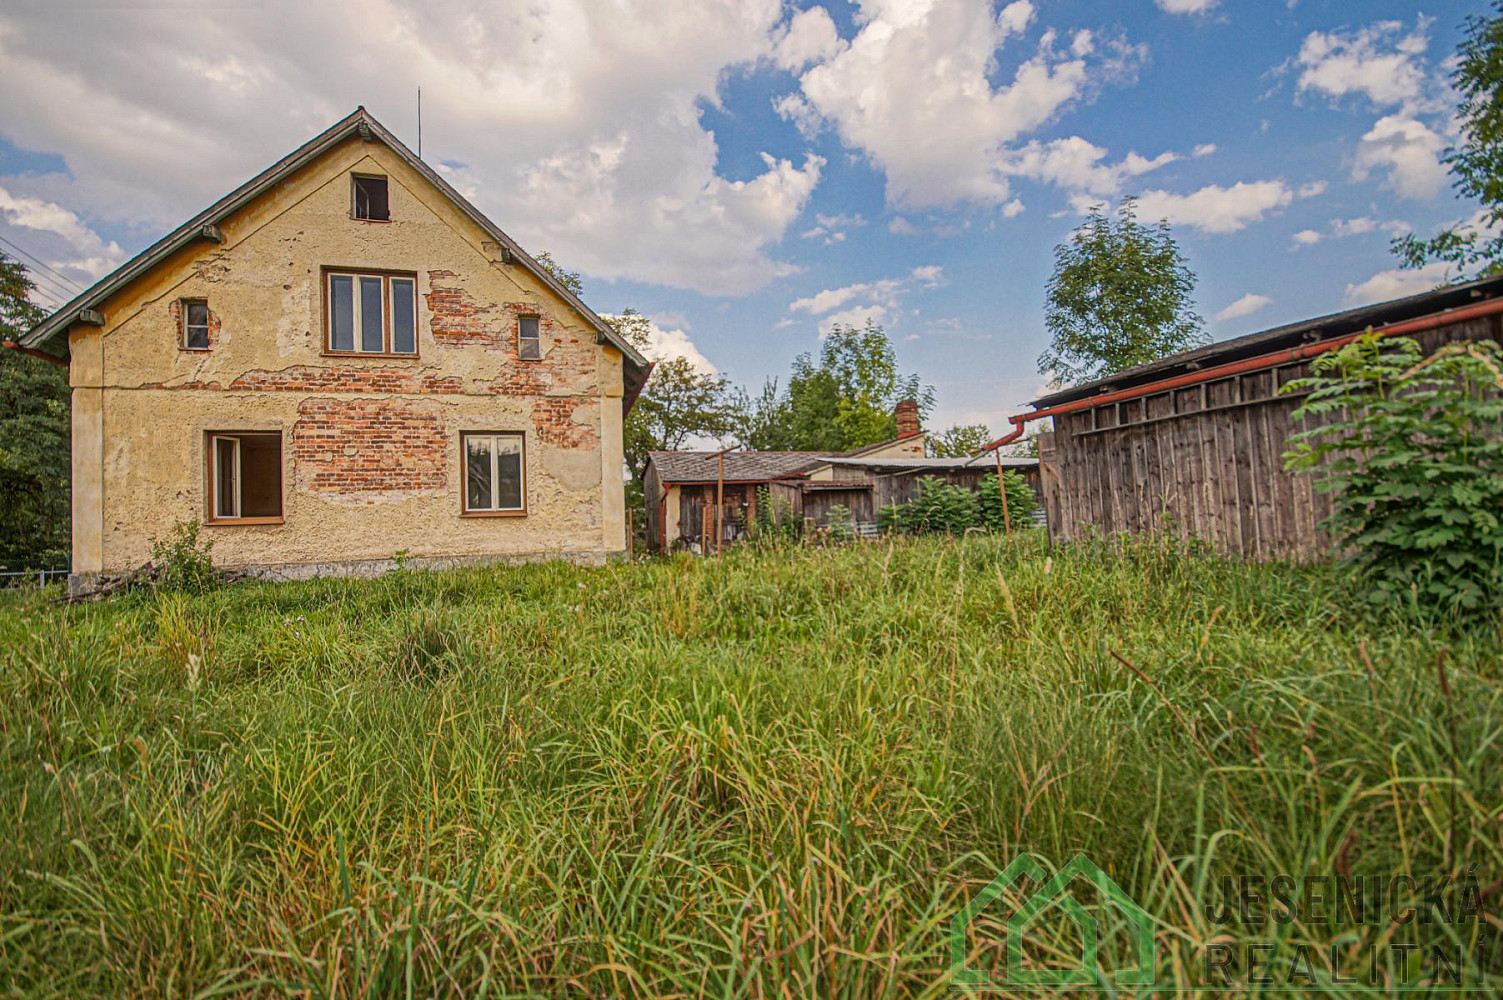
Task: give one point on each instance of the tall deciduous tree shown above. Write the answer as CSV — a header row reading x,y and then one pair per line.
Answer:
x,y
1121,295
843,399
34,438
1473,250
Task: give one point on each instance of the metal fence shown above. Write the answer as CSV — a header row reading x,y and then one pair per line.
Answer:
x,y
41,577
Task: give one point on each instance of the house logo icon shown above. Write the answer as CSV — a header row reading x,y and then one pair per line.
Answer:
x,y
1055,892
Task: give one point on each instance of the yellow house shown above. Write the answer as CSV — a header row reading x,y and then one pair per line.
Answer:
x,y
340,361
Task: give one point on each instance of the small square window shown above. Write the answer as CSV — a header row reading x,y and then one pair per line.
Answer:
x,y
194,319
529,339
495,472
370,199
245,476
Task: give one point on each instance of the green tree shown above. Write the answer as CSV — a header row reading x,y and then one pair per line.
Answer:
x,y
1121,296
843,399
34,438
958,441
1474,249
569,279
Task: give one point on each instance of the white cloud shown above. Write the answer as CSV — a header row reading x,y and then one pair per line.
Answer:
x,y
1352,227
1306,238
1312,189
879,301
900,226
885,290
1382,61
664,342
1216,209
1204,149
809,37
61,240
1078,165
1186,6
913,91
1408,150
932,275
1397,283
1245,306
576,125
833,227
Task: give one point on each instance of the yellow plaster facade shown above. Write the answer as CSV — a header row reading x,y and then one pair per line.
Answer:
x,y
143,407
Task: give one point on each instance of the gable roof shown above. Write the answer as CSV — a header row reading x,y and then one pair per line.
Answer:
x,y
50,336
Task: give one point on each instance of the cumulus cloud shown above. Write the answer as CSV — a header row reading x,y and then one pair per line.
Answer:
x,y
1382,61
1408,150
809,37
1079,165
914,92
668,337
1398,283
879,301
1187,6
1245,306
1213,208
575,125
832,228
1306,238
59,239
1204,149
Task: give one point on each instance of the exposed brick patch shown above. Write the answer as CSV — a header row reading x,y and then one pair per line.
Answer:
x,y
354,446
553,423
456,319
304,378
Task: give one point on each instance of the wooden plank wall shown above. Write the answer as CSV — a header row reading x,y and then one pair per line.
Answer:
x,y
1203,462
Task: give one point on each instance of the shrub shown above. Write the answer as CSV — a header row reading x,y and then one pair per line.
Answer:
x,y
774,518
1411,454
181,562
943,508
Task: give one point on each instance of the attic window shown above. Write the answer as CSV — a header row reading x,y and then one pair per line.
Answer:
x,y
370,201
529,340
194,315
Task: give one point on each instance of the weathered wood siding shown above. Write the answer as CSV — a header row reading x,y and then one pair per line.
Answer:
x,y
1204,462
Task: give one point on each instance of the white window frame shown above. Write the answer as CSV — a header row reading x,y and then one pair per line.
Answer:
x,y
495,471
216,479
387,291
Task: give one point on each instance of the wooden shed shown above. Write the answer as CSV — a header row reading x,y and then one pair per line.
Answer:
x,y
1193,443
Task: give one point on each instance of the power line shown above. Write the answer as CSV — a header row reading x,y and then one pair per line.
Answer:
x,y
62,278
45,283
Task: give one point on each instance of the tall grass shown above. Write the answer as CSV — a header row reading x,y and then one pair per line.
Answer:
x,y
776,773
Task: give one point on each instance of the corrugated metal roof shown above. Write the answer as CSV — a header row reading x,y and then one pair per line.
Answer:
x,y
44,337
1289,335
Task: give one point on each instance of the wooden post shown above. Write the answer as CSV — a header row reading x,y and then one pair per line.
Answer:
x,y
629,533
1002,488
719,496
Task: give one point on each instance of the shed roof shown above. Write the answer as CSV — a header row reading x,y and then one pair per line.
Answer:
x,y
1291,335
986,460
740,466
50,336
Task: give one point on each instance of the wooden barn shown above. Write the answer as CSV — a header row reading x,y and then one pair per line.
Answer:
x,y
1193,443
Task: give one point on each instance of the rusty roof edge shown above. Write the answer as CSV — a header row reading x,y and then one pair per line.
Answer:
x,y
43,335
1370,314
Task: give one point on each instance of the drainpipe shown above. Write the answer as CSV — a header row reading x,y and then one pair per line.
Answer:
x,y
1491,307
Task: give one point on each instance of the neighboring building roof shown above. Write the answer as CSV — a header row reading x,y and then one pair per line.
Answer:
x,y
987,460
1278,338
49,336
740,466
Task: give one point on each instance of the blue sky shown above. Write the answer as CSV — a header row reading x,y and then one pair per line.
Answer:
x,y
749,172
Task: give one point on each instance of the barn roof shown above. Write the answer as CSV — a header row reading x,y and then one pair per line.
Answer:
x,y
50,336
1291,335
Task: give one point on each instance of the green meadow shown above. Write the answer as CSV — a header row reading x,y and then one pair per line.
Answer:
x,y
779,773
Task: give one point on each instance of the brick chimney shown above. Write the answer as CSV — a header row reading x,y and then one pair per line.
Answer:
x,y
906,416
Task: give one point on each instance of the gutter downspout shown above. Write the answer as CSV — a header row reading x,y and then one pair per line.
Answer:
x,y
1491,307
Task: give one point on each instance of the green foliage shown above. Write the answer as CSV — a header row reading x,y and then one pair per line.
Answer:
x,y
1121,295
182,562
842,400
34,439
569,279
1473,249
1409,449
840,522
778,773
775,520
958,441
944,508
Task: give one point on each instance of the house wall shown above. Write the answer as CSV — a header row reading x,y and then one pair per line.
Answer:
x,y
1204,461
370,445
